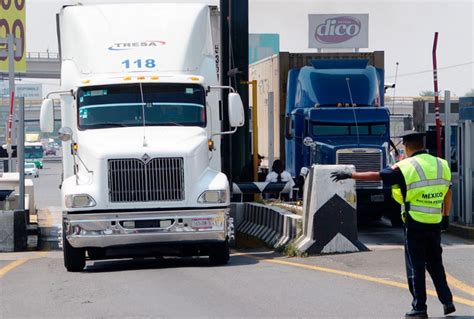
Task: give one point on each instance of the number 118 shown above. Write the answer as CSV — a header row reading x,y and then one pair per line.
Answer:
x,y
148,63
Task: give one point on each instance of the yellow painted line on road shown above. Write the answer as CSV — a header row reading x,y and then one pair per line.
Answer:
x,y
459,284
356,276
5,269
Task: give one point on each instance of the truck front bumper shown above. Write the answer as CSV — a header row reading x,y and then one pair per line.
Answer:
x,y
130,228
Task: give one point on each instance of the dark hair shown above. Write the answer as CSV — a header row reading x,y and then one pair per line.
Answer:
x,y
277,167
417,143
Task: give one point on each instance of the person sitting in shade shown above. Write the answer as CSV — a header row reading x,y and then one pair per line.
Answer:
x,y
279,175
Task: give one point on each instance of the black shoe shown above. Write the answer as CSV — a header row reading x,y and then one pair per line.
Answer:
x,y
416,314
449,308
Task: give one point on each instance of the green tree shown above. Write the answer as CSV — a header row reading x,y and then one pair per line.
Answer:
x,y
470,93
427,93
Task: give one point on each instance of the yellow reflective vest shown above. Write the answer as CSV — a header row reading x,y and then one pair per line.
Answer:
x,y
427,179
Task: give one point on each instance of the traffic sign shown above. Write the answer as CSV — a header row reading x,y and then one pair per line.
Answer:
x,y
12,21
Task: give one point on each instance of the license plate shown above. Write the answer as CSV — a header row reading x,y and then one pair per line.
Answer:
x,y
201,223
377,198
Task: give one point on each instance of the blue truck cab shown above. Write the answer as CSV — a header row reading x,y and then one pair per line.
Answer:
x,y
335,115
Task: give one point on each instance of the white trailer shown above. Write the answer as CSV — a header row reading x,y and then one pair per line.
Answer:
x,y
141,132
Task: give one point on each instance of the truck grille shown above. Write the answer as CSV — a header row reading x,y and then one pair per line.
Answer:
x,y
364,160
133,180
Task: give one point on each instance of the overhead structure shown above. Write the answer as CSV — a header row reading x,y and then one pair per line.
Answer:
x,y
234,71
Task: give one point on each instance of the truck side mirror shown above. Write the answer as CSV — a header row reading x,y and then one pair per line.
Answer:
x,y
236,110
65,134
288,128
308,141
47,116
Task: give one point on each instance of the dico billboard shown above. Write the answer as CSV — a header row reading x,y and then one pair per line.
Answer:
x,y
338,30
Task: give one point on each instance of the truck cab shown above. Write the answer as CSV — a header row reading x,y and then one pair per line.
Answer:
x,y
141,132
335,115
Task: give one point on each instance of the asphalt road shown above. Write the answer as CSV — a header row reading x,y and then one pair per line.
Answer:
x,y
47,192
255,284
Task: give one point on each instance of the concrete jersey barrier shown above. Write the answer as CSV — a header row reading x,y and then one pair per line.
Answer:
x,y
330,217
275,226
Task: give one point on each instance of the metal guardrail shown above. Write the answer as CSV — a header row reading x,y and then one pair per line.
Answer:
x,y
42,55
52,158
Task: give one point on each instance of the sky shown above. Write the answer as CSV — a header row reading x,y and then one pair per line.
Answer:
x,y
403,29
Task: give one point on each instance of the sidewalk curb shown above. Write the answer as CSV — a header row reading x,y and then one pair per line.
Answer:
x,y
464,231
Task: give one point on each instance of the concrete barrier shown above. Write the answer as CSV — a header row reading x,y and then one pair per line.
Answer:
x,y
11,182
329,213
13,231
275,226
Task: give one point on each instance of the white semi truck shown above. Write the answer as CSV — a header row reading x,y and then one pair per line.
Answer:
x,y
141,132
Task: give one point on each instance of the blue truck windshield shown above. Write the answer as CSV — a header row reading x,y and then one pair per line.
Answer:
x,y
132,105
330,129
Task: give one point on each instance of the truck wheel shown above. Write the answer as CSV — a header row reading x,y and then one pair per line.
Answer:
x,y
219,254
74,258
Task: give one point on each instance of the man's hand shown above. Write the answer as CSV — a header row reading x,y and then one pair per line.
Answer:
x,y
340,175
445,223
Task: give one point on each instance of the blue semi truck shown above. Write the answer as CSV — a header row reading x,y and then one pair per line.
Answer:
x,y
334,114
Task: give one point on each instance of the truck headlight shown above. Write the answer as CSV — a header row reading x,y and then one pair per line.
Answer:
x,y
79,201
212,196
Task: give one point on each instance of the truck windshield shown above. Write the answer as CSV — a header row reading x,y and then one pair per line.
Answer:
x,y
121,105
331,129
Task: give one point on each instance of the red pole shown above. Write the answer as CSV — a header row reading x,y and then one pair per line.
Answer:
x,y
10,117
435,79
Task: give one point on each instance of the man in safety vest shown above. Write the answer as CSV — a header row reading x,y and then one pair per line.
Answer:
x,y
421,185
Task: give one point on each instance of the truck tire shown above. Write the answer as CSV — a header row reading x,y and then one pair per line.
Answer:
x,y
219,254
74,258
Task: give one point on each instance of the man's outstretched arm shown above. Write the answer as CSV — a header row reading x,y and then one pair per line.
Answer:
x,y
360,176
366,176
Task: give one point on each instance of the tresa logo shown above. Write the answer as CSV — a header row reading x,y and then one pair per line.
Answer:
x,y
337,29
120,46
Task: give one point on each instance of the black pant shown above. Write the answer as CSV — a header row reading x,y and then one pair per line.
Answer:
x,y
423,250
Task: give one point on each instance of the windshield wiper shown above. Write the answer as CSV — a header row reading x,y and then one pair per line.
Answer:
x,y
164,124
108,124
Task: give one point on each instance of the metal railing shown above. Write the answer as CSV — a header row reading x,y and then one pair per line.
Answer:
x,y
42,55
